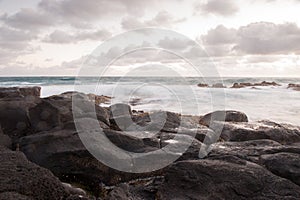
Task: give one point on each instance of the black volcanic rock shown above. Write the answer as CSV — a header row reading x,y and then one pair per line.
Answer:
x,y
250,150
56,111
14,118
5,140
215,179
21,179
283,164
64,154
20,92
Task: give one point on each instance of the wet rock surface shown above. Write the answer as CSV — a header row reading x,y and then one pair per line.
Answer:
x,y
215,179
21,179
248,160
282,133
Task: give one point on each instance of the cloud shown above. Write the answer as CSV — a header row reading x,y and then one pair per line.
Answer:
x,y
14,43
63,37
13,39
174,43
259,38
220,35
218,7
78,11
269,38
28,19
163,19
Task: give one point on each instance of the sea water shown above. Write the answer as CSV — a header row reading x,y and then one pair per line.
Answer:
x,y
181,95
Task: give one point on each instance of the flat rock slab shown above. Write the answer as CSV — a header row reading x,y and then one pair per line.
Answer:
x,y
282,133
213,179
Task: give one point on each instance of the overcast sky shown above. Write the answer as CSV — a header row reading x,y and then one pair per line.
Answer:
x,y
243,38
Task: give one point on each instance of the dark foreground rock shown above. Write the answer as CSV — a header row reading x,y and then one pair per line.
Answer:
x,y
64,154
283,164
21,179
213,179
250,160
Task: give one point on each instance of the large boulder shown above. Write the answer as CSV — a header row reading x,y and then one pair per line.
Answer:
x,y
227,116
57,111
282,133
215,179
282,160
64,154
14,118
21,179
14,105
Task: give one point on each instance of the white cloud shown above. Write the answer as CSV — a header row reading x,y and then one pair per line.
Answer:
x,y
28,19
255,38
162,19
62,37
217,7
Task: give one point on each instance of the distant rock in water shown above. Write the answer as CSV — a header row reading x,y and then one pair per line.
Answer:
x,y
203,85
218,85
264,83
294,86
241,85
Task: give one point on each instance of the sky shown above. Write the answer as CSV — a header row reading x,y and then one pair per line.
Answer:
x,y
245,38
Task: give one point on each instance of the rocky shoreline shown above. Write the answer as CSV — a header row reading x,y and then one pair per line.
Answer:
x,y
293,86
42,156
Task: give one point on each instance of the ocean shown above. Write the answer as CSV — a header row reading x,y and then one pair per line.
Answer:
x,y
181,95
